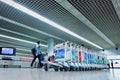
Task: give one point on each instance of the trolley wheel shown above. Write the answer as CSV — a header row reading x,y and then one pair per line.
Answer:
x,y
56,68
65,69
72,69
46,67
61,69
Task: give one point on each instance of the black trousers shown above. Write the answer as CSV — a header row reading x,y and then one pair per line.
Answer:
x,y
39,58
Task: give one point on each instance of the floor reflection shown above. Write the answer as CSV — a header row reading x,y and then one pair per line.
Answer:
x,y
39,74
115,74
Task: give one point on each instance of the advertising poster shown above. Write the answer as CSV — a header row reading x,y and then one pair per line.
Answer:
x,y
116,63
80,56
85,57
73,55
88,58
92,58
76,56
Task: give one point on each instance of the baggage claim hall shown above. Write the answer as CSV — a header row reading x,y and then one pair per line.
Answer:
x,y
59,39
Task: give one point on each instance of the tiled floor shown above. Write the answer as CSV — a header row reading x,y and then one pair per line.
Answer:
x,y
39,74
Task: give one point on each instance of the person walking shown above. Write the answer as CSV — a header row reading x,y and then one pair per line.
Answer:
x,y
112,64
37,54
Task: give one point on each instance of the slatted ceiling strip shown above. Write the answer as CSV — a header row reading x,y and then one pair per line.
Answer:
x,y
8,9
101,19
96,14
96,8
17,15
51,7
100,11
37,6
91,11
110,12
115,19
2,6
112,20
28,4
94,17
110,17
106,10
80,7
100,7
46,5
90,8
34,6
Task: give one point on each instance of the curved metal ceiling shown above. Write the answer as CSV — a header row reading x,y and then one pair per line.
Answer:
x,y
101,13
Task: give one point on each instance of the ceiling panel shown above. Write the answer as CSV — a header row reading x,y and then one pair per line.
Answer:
x,y
55,12
100,13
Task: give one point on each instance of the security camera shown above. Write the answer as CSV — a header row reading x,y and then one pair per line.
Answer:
x,y
116,48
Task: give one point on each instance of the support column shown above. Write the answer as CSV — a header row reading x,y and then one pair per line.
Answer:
x,y
50,48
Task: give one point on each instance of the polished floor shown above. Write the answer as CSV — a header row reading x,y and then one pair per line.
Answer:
x,y
39,74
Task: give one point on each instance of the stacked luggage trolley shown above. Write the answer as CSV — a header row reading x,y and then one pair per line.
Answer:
x,y
73,57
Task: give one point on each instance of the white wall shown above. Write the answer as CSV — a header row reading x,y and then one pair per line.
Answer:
x,y
111,52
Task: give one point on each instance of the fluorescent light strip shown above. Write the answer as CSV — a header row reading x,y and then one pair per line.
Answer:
x,y
23,49
24,54
39,17
20,40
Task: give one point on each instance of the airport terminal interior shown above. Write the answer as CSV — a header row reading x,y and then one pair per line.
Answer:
x,y
79,39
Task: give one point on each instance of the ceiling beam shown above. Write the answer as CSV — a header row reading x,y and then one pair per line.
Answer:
x,y
83,19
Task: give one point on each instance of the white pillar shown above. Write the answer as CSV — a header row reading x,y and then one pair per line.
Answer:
x,y
50,48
